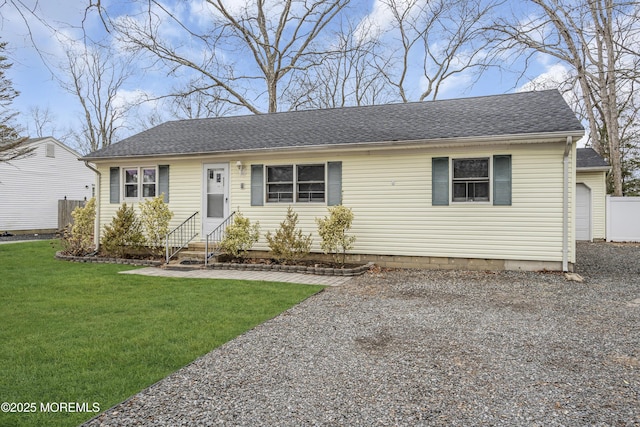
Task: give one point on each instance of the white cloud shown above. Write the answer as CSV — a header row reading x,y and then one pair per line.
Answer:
x,y
381,19
554,76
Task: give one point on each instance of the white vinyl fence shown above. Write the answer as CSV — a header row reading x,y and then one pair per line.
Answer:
x,y
623,219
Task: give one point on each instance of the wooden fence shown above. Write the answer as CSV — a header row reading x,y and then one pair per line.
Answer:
x,y
65,207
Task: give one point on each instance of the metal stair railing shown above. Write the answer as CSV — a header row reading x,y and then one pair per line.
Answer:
x,y
215,237
180,236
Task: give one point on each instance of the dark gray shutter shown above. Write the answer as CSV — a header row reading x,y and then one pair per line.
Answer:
x,y
440,181
502,180
257,185
334,186
163,181
114,185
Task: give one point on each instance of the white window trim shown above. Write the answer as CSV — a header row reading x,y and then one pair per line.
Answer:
x,y
140,182
490,178
295,183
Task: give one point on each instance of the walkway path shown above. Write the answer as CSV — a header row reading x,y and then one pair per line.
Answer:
x,y
269,276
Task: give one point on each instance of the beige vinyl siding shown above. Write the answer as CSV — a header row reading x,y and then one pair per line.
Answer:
x,y
389,191
596,181
185,183
390,194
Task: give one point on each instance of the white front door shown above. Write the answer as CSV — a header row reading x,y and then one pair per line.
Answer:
x,y
215,197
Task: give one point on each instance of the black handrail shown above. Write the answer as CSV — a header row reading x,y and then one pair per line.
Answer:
x,y
216,236
180,236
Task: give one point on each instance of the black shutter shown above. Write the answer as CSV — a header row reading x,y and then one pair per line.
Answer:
x,y
114,185
440,181
257,185
163,182
502,180
334,186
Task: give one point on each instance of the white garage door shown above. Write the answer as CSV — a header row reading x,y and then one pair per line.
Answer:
x,y
583,212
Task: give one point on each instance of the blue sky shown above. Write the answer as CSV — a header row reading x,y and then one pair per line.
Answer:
x,y
34,77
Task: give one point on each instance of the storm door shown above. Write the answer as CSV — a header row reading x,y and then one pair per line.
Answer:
x,y
215,197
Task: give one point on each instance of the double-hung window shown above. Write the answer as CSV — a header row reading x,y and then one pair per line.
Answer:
x,y
481,179
471,180
310,183
140,182
280,184
299,183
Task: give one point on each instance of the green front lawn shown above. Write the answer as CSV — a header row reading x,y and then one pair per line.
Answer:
x,y
83,333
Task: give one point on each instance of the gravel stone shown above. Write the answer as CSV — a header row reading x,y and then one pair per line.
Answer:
x,y
413,347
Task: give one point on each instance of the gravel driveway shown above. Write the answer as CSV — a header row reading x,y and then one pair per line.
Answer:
x,y
426,348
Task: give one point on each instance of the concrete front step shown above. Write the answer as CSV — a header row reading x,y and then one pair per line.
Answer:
x,y
197,246
190,254
176,266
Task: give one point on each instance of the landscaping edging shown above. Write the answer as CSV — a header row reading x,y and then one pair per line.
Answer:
x,y
320,271
104,260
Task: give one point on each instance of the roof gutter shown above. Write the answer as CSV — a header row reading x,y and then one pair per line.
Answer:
x,y
96,225
594,169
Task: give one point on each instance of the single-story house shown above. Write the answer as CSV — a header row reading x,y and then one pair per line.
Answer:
x,y
485,182
30,187
591,194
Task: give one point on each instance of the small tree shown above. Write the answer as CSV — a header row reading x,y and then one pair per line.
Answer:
x,y
154,218
12,146
333,231
123,234
239,237
78,238
288,244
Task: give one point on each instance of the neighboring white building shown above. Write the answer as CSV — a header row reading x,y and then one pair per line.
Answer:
x,y
31,187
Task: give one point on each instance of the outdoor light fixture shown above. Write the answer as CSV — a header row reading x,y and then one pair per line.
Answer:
x,y
240,167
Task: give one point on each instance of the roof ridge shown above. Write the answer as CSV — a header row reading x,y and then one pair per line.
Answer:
x,y
350,107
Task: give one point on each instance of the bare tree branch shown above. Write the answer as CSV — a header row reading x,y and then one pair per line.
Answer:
x,y
598,39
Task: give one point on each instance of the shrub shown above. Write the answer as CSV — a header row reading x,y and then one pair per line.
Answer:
x,y
333,231
240,236
288,244
78,238
124,234
154,218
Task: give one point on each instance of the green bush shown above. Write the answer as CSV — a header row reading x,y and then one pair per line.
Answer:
x,y
288,244
333,231
154,218
77,239
124,235
239,237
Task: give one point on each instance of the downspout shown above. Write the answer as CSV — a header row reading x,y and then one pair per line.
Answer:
x,y
96,226
565,207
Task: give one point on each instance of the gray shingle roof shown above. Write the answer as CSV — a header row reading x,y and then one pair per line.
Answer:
x,y
512,114
588,158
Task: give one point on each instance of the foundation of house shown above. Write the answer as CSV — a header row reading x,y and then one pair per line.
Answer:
x,y
438,263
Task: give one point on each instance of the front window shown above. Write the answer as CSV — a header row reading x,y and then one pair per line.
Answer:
x,y
471,180
140,182
304,183
131,183
149,182
310,183
280,184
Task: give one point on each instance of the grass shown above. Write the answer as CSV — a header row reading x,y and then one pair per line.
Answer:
x,y
74,332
